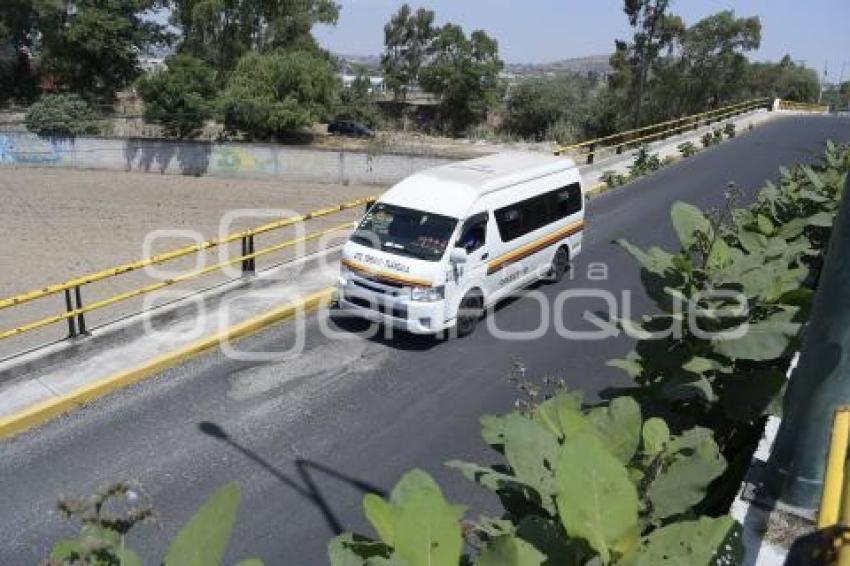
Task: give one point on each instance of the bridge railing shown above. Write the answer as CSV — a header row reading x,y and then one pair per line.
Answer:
x,y
74,313
802,106
622,141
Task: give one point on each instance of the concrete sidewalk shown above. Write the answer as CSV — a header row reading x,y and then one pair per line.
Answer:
x,y
61,369
55,376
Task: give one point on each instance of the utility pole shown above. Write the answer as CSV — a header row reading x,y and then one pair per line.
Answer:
x,y
820,383
823,80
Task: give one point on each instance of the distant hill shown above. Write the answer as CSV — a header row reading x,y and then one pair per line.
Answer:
x,y
583,65
591,64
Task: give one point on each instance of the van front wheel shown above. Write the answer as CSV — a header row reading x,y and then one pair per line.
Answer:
x,y
560,265
469,313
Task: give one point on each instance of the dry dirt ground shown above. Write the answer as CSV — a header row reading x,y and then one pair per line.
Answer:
x,y
56,224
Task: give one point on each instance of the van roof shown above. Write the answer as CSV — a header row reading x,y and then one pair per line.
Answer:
x,y
452,189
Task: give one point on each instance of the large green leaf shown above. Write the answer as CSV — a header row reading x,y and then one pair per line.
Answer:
x,y
550,538
689,223
381,515
492,479
561,415
618,425
683,483
531,452
655,435
596,500
703,542
508,550
427,528
204,539
764,340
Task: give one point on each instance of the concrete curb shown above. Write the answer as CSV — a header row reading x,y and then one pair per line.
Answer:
x,y
47,410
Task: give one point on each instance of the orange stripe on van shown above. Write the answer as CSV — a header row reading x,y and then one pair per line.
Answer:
x,y
385,275
533,247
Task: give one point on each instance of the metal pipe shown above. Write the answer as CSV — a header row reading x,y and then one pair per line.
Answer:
x,y
819,384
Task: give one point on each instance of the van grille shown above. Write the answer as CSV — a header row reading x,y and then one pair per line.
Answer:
x,y
398,311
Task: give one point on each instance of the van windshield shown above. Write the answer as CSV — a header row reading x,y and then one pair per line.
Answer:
x,y
406,232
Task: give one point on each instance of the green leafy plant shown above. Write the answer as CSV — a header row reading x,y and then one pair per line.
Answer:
x,y
577,485
644,163
729,130
688,149
613,179
717,133
108,516
707,140
181,97
725,364
62,116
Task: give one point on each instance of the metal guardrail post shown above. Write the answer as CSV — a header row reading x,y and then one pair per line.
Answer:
x,y
81,317
820,384
69,307
248,263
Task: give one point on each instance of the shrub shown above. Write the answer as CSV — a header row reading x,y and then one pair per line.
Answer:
x,y
270,94
613,179
109,515
717,133
181,97
563,132
62,115
707,140
688,149
644,163
729,130
579,486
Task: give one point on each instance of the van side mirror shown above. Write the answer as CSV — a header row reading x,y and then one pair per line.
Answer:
x,y
458,256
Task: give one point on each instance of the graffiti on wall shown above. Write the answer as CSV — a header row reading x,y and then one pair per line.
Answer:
x,y
29,149
230,159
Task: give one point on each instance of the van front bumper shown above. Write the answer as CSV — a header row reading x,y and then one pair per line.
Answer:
x,y
413,316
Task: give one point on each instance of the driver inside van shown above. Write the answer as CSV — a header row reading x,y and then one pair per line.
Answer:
x,y
473,239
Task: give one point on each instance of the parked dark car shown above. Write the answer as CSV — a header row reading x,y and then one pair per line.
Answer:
x,y
350,128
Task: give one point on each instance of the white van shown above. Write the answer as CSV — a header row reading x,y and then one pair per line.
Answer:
x,y
445,243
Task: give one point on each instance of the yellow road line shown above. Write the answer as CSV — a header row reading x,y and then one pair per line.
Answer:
x,y
54,407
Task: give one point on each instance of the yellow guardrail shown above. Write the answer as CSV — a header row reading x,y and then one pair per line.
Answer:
x,y
804,106
834,508
75,310
623,140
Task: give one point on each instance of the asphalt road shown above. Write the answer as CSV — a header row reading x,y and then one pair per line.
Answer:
x,y
307,436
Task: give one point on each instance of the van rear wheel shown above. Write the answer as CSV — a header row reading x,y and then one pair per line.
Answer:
x,y
560,265
469,313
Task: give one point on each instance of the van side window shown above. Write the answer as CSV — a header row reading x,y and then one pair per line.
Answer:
x,y
526,216
567,200
474,233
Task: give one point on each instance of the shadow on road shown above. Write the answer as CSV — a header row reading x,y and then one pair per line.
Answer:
x,y
305,468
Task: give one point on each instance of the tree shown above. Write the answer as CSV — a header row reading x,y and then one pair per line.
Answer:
x,y
18,32
269,94
534,107
181,97
221,31
786,80
358,102
61,116
92,47
407,41
464,73
655,30
706,67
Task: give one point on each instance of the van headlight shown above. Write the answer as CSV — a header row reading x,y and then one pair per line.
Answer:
x,y
428,294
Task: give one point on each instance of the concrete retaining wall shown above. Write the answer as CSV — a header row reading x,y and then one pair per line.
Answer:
x,y
236,160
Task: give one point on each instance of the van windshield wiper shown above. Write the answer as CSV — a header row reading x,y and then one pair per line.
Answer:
x,y
361,238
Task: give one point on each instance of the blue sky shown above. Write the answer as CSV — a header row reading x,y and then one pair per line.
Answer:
x,y
545,30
